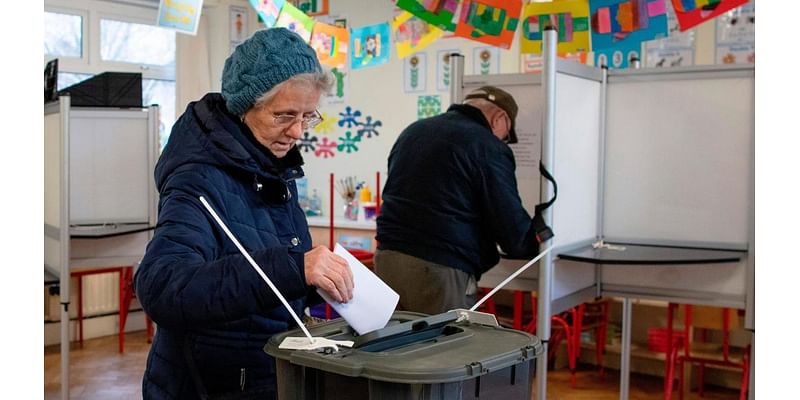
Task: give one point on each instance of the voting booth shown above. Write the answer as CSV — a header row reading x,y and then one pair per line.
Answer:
x,y
655,184
414,357
100,201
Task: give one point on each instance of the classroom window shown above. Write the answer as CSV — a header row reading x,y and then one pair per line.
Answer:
x,y
136,43
161,92
63,35
67,79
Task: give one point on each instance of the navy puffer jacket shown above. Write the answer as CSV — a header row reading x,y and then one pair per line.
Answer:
x,y
214,312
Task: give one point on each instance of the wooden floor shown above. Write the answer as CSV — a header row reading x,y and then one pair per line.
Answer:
x,y
97,371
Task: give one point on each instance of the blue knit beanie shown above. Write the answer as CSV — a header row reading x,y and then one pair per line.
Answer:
x,y
268,58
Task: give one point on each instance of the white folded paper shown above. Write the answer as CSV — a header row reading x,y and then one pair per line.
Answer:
x,y
302,343
373,300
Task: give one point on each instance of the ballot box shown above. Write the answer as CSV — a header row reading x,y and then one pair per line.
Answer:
x,y
414,357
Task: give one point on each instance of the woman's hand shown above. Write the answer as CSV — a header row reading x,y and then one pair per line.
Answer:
x,y
329,272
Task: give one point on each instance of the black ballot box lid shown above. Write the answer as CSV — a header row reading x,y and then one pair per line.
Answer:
x,y
108,89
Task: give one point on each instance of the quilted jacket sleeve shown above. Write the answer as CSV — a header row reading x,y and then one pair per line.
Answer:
x,y
185,281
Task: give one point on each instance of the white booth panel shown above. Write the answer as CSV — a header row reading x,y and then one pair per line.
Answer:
x,y
576,157
52,169
678,158
109,171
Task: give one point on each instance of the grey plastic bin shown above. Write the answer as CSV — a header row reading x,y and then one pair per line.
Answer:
x,y
415,357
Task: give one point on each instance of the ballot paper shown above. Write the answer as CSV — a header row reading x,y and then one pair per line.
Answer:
x,y
373,301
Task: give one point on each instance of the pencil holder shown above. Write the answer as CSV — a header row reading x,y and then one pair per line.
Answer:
x,y
351,210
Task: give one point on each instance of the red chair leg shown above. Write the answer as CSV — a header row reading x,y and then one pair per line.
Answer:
x,y
125,298
519,302
571,353
745,374
577,329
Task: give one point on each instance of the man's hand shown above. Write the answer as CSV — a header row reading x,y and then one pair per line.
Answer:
x,y
329,272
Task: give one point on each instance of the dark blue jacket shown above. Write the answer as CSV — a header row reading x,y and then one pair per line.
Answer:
x,y
451,195
213,311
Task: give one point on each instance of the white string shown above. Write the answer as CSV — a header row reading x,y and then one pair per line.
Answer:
x,y
255,266
512,276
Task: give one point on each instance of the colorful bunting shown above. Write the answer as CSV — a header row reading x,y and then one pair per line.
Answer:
x,y
330,42
439,13
569,17
693,12
412,34
268,10
489,21
296,21
370,45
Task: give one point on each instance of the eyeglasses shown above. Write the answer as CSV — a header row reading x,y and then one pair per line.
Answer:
x,y
308,121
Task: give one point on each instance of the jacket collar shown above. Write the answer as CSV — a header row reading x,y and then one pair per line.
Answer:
x,y
473,113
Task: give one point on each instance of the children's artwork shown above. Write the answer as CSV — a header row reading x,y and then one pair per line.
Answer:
x,y
534,63
181,15
414,73
370,45
340,88
439,13
428,106
694,12
330,42
412,34
736,40
443,69
294,20
268,10
238,24
675,50
618,57
311,7
616,23
489,21
569,17
485,60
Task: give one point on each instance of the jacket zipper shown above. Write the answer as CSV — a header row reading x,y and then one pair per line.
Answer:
x,y
241,379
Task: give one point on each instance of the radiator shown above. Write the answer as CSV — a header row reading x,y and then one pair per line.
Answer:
x,y
100,294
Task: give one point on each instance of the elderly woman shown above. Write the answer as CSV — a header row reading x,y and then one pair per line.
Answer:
x,y
237,149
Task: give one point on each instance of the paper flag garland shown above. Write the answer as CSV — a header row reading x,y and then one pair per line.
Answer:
x,y
331,43
569,17
412,34
625,24
489,21
268,10
694,12
370,45
296,21
439,13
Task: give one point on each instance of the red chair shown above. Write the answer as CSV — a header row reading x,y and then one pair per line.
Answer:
x,y
701,353
565,326
126,295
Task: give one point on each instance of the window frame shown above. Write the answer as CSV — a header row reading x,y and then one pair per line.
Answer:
x,y
92,11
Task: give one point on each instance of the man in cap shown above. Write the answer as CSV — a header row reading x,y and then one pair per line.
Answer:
x,y
238,150
450,198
